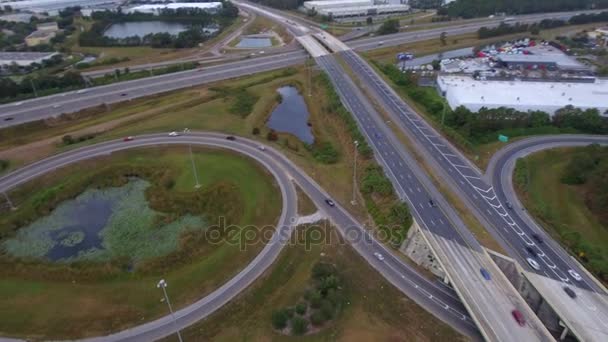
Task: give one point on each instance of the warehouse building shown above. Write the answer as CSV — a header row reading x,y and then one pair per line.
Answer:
x,y
523,96
355,8
24,59
209,7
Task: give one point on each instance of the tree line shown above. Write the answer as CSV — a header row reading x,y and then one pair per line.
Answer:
x,y
504,29
30,85
280,4
480,8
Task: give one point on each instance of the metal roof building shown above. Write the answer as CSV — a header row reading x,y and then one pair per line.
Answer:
x,y
560,61
523,96
210,7
24,58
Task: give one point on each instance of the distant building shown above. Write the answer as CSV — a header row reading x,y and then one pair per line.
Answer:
x,y
24,59
54,6
47,27
356,8
209,7
523,96
16,17
39,37
600,36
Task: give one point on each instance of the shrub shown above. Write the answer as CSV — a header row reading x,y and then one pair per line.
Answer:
x,y
325,153
279,319
4,164
299,326
272,136
301,308
321,270
255,131
67,139
289,311
317,318
327,309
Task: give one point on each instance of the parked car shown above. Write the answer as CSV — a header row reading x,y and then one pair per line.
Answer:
x,y
570,292
537,238
519,317
230,137
330,202
575,275
485,273
533,263
129,138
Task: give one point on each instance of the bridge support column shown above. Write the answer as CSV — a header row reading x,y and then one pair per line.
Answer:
x,y
564,333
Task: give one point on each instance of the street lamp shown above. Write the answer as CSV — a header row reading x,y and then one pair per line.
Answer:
x,y
354,201
162,284
197,185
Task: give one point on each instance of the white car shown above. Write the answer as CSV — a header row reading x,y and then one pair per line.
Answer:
x,y
575,275
533,263
173,134
379,256
18,104
262,148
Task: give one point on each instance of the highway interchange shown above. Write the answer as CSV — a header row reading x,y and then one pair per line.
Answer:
x,y
434,297
483,195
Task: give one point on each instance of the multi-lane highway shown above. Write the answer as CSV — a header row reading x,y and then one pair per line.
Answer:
x,y
514,231
435,298
44,107
489,302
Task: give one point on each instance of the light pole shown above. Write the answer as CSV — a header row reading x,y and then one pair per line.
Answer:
x,y
162,284
8,200
354,201
197,185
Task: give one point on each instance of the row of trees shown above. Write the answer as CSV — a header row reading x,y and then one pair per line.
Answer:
x,y
280,4
503,29
388,27
10,89
480,8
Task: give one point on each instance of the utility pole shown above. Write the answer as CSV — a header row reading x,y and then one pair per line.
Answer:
x,y
354,201
443,114
308,67
162,284
33,88
8,200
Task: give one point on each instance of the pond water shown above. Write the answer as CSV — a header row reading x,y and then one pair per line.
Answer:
x,y
101,224
254,43
291,115
142,28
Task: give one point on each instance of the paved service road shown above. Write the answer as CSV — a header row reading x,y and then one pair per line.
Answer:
x,y
438,299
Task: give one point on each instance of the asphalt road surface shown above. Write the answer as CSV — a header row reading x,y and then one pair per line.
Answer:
x,y
436,298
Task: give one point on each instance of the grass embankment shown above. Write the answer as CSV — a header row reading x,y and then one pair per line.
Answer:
x,y
561,208
58,300
373,310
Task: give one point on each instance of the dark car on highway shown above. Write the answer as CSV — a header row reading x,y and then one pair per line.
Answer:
x,y
8,119
485,273
432,203
230,137
330,202
570,292
537,238
509,205
531,251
